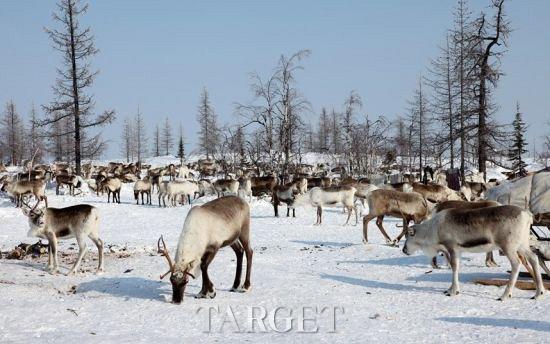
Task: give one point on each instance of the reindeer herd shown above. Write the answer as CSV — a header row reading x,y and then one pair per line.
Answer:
x,y
445,221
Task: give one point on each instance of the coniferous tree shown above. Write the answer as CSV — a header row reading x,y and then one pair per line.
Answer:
x,y
518,148
181,146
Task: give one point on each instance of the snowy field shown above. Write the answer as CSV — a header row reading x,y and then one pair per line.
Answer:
x,y
297,267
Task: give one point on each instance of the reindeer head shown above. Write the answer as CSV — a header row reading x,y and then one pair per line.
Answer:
x,y
179,275
36,218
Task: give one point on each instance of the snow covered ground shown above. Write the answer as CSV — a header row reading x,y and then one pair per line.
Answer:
x,y
385,295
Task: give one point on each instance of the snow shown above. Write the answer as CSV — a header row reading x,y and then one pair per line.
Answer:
x,y
386,296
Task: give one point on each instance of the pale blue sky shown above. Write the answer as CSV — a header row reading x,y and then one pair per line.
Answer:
x,y
159,54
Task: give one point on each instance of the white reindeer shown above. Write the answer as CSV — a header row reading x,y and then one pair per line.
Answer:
x,y
222,222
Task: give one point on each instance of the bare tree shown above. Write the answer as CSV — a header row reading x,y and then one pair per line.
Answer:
x,y
290,104
156,141
261,112
401,141
463,62
127,148
490,36
419,123
167,139
443,85
208,132
12,134
352,104
76,44
140,136
336,137
323,132
36,144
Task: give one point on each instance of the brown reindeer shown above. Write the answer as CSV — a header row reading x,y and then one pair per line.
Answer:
x,y
18,189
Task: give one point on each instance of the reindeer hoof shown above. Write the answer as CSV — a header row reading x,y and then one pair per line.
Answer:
x,y
449,292
504,297
100,272
208,295
538,296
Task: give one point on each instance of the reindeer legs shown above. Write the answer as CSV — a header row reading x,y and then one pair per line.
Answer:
x,y
239,252
379,223
52,243
207,290
99,244
490,260
82,249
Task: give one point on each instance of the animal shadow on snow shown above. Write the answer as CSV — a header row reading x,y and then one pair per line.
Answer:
x,y
323,243
126,287
535,325
446,276
419,261
376,284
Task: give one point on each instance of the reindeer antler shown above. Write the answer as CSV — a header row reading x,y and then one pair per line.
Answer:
x,y
31,210
165,253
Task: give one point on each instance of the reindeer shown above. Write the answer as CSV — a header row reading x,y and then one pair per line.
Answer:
x,y
69,180
143,187
489,259
454,231
18,189
222,222
406,205
113,186
223,186
245,188
324,182
264,184
77,221
301,185
163,192
318,197
183,188
436,193
286,194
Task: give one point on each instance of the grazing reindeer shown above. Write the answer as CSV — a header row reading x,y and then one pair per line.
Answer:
x,y
318,197
18,189
63,179
505,227
222,222
143,187
113,186
77,221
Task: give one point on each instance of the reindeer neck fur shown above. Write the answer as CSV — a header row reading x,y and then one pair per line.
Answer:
x,y
193,240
